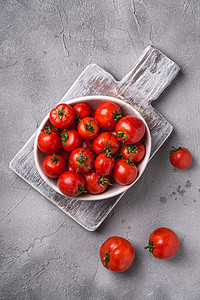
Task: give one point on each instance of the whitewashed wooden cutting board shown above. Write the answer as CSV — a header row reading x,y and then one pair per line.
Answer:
x,y
152,73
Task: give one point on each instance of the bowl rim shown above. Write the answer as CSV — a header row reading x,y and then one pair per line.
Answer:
x,y
101,196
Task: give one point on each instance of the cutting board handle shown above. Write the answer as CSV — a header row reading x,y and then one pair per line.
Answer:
x,y
152,73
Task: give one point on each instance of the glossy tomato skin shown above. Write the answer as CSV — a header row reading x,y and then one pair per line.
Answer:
x,y
64,154
104,165
54,165
130,130
134,151
106,142
71,183
88,128
117,254
95,183
70,139
49,141
180,158
163,243
123,173
82,110
62,116
108,114
81,160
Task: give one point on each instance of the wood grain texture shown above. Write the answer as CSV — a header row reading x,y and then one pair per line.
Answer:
x,y
152,73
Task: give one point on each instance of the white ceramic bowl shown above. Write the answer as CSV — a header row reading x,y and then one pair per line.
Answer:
x,y
93,102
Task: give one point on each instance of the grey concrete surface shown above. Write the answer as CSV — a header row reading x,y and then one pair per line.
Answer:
x,y
44,45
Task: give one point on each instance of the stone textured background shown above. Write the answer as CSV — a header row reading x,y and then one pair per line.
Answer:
x,y
44,46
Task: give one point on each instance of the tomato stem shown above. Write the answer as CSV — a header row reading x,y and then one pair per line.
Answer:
x,y
103,181
175,149
116,116
59,130
107,149
55,158
82,161
89,127
61,113
80,190
78,119
106,257
129,161
64,137
132,149
150,246
47,130
121,135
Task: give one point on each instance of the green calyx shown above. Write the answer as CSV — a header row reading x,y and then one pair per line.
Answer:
x,y
121,135
47,130
61,113
59,130
55,159
116,116
150,246
89,127
64,137
175,149
107,154
132,149
103,181
107,150
82,161
80,190
78,119
129,161
106,257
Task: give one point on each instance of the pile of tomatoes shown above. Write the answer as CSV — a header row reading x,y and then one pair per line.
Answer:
x,y
87,148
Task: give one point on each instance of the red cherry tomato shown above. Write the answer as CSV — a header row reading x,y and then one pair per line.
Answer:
x,y
88,128
180,158
134,151
117,254
106,142
81,160
130,130
49,141
89,145
64,154
95,183
104,164
70,139
108,114
82,110
163,243
125,172
62,116
71,184
54,165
